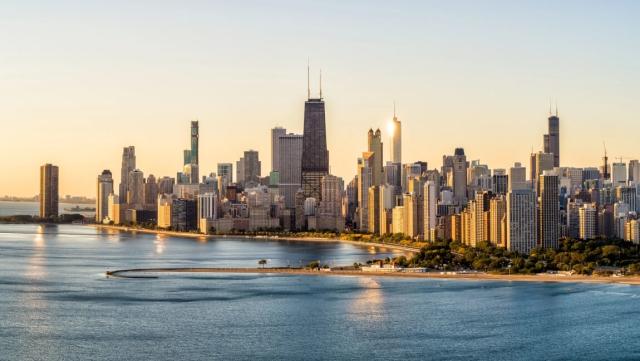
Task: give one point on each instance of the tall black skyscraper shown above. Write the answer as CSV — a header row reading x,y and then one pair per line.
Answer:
x,y
315,156
552,139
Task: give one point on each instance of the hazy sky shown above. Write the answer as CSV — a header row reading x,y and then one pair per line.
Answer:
x,y
79,80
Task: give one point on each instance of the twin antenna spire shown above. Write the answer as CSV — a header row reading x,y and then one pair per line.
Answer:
x,y
550,105
309,81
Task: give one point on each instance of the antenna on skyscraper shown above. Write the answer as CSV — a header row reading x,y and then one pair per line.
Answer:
x,y
556,108
550,112
308,81
320,84
394,109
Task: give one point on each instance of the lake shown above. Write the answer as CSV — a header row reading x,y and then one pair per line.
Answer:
x,y
57,304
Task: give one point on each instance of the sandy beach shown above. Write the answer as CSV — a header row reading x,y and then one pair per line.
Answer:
x,y
155,273
382,246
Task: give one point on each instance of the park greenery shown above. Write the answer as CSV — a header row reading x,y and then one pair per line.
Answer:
x,y
61,219
596,256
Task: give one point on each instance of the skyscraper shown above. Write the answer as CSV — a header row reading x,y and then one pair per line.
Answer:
x,y
191,157
588,218
315,156
396,143
549,220
276,133
135,193
430,198
249,168
104,189
374,145
49,191
459,164
364,176
128,165
521,220
552,139
290,167
539,163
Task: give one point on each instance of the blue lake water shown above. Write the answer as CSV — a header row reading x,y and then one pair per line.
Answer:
x,y
56,304
8,208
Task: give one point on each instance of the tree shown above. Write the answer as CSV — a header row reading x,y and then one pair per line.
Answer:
x,y
262,262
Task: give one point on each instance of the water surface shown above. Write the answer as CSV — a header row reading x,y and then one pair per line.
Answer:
x,y
55,303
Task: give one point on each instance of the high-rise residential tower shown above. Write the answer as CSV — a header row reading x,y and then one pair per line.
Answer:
x,y
290,167
128,165
549,210
552,138
521,220
191,157
315,156
249,168
135,192
49,176
104,189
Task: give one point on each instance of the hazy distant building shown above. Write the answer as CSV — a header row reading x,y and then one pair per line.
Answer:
x,y
539,163
396,143
165,185
521,220
459,164
128,165
49,177
276,133
315,156
517,177
104,189
248,169
618,174
135,189
634,171
290,167
374,145
150,192
552,139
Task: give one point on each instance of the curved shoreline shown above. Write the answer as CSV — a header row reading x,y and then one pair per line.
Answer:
x,y
547,278
269,238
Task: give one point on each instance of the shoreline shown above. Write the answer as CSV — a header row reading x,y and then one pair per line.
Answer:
x,y
544,278
394,247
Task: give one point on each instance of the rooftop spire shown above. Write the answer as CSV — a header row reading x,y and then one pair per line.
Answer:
x,y
556,108
308,81
320,84
394,109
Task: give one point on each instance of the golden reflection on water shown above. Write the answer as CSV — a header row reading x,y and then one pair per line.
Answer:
x,y
160,243
367,306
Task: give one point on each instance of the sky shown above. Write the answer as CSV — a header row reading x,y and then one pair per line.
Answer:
x,y
80,80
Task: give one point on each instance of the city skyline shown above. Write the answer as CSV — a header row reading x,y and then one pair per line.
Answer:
x,y
468,95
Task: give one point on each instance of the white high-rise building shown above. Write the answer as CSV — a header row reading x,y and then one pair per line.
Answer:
x,y
396,143
588,220
521,220
430,197
207,206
